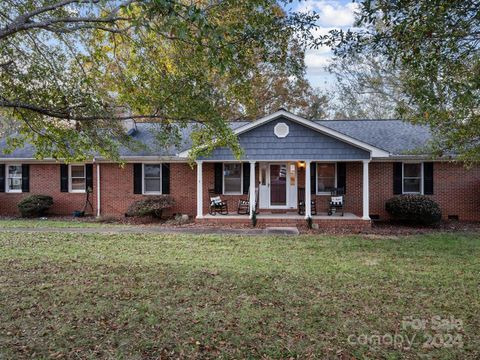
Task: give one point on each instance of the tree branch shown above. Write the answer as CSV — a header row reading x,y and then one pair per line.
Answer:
x,y
24,22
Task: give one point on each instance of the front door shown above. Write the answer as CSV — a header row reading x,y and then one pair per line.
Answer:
x,y
278,185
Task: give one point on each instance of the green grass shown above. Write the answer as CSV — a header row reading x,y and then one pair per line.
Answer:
x,y
37,223
184,296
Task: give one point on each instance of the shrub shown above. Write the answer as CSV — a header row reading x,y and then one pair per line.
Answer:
x,y
35,205
417,209
150,207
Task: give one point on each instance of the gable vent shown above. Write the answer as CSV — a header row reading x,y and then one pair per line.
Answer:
x,y
281,130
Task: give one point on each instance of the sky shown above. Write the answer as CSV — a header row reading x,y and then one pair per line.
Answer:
x,y
333,14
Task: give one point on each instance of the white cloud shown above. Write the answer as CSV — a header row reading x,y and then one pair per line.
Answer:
x,y
317,60
332,13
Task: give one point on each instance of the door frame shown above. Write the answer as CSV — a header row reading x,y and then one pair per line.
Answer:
x,y
291,201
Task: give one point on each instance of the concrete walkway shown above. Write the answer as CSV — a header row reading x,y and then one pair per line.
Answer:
x,y
153,230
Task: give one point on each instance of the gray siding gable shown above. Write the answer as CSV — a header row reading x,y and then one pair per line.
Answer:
x,y
302,143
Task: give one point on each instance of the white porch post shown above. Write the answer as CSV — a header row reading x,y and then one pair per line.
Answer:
x,y
308,192
199,190
252,198
366,193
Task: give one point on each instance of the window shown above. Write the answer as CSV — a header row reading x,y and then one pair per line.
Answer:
x,y
232,178
14,178
326,177
76,178
412,178
152,178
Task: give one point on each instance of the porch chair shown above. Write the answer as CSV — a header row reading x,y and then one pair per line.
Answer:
x,y
244,204
337,201
217,205
301,203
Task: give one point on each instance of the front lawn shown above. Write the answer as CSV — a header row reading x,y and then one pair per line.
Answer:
x,y
182,296
51,223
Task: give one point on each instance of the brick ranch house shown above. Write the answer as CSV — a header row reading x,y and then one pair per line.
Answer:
x,y
284,154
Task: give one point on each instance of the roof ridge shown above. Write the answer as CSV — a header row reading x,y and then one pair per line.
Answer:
x,y
352,120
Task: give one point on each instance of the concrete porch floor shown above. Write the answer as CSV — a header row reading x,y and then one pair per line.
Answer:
x,y
287,216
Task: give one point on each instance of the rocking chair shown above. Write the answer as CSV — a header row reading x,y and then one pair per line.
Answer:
x,y
244,204
337,201
301,203
217,205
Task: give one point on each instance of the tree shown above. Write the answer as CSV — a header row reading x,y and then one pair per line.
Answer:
x,y
275,87
367,87
435,44
71,70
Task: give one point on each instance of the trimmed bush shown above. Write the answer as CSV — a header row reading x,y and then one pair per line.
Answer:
x,y
415,209
150,207
35,205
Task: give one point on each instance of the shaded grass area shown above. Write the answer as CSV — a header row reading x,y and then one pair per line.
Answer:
x,y
37,223
184,296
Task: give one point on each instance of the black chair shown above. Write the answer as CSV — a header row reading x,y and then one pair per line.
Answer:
x,y
301,203
217,205
244,204
337,201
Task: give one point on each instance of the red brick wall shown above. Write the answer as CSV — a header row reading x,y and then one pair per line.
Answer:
x,y
353,197
45,180
456,189
209,183
117,189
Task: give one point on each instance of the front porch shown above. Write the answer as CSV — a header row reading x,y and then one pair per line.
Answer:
x,y
322,220
277,197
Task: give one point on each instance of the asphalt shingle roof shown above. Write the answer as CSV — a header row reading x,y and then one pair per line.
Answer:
x,y
394,136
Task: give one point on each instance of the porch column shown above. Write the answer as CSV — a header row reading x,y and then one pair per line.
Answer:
x,y
308,192
366,193
252,198
199,190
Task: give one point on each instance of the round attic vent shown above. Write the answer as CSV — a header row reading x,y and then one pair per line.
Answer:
x,y
281,130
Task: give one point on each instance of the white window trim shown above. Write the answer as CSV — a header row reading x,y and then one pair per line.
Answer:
x,y
316,178
144,192
241,181
421,178
70,178
7,188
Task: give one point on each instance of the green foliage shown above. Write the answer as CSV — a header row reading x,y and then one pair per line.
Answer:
x,y
151,207
435,46
34,205
414,209
70,73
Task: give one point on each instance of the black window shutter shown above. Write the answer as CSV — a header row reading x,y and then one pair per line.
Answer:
x,y
2,177
246,177
218,185
428,178
25,178
165,178
137,178
89,176
313,178
64,178
342,176
397,178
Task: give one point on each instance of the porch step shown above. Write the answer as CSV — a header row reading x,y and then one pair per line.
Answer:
x,y
283,230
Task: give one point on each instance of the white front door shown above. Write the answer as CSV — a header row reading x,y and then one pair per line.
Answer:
x,y
278,185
